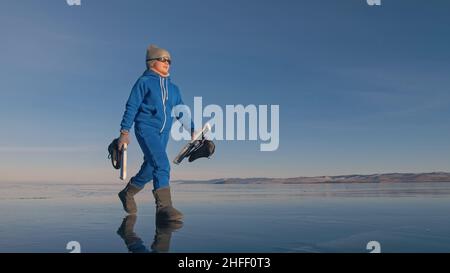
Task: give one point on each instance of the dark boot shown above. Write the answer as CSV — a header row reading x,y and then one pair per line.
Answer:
x,y
127,198
164,209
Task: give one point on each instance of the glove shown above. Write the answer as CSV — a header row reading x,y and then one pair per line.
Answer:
x,y
123,139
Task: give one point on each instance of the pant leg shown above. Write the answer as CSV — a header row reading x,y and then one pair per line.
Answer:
x,y
144,175
153,145
165,160
165,139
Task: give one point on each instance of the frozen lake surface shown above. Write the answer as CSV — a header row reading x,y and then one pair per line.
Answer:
x,y
403,217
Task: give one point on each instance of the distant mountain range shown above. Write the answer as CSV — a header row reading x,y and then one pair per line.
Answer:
x,y
354,178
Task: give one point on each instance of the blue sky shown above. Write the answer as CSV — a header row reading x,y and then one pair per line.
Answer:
x,y
361,89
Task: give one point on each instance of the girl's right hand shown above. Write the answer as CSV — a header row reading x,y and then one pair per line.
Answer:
x,y
123,139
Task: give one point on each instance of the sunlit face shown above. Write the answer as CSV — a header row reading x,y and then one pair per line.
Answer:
x,y
162,66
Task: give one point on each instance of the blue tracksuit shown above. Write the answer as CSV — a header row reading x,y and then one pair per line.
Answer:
x,y
149,107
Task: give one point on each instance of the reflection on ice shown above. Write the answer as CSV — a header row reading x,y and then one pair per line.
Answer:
x,y
404,217
161,240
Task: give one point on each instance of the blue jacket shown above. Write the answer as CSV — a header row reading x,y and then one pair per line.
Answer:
x,y
150,103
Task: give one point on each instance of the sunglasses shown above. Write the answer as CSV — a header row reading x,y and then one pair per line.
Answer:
x,y
161,59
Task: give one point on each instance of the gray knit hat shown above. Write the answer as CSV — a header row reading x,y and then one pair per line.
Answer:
x,y
155,52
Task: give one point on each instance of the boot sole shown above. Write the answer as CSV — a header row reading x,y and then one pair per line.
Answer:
x,y
172,219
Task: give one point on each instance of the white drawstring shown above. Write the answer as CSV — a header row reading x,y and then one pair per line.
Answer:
x,y
164,97
167,89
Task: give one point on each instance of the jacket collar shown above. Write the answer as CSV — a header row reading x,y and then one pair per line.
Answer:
x,y
150,72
